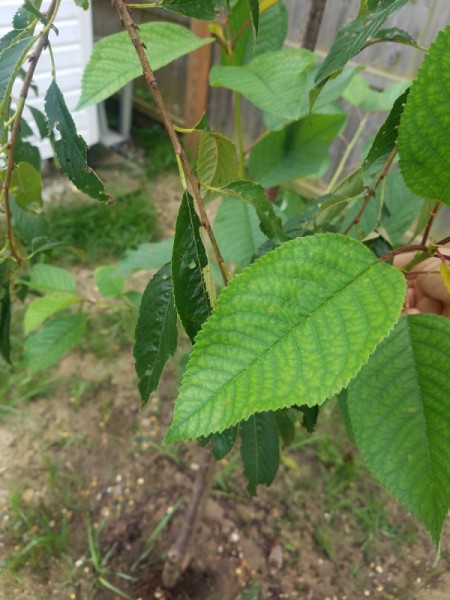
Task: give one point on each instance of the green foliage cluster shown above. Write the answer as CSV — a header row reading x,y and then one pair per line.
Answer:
x,y
314,310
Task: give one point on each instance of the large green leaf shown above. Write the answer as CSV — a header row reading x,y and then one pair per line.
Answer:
x,y
189,269
352,38
5,321
42,308
44,348
399,407
114,61
298,150
146,256
26,184
294,328
195,9
50,278
217,162
384,143
260,449
424,133
237,230
156,331
11,60
71,149
274,82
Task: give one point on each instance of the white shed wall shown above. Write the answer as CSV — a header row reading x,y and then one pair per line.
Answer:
x,y
71,48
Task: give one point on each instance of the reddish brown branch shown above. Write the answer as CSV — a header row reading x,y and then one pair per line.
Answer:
x,y
132,29
433,214
403,250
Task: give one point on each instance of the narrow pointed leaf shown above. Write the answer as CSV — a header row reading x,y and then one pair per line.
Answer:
x,y
5,322
424,133
237,230
399,408
253,6
43,308
384,143
10,62
114,61
195,9
352,38
44,348
71,149
286,425
189,260
294,328
156,331
260,450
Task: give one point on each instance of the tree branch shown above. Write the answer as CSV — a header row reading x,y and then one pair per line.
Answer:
x,y
427,229
313,26
132,29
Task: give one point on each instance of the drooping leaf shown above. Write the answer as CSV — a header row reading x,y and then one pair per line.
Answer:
x,y
399,408
145,257
253,6
52,279
285,420
222,443
156,331
299,150
294,328
352,38
26,184
11,60
108,283
189,260
384,143
310,416
274,81
237,231
424,133
195,9
5,322
44,348
42,308
397,35
114,62
217,162
71,149
27,152
252,193
40,120
260,450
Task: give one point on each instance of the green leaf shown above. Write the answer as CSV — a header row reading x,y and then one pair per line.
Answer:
x,y
424,133
222,443
384,143
26,185
51,278
71,149
253,6
145,257
114,61
156,331
237,231
299,150
5,322
310,416
22,18
352,38
394,34
294,328
44,348
41,121
11,60
28,226
286,425
108,283
43,308
27,152
217,162
84,4
273,82
260,450
359,93
253,194
189,261
195,9
400,414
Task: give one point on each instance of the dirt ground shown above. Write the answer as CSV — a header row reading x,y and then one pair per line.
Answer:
x,y
88,455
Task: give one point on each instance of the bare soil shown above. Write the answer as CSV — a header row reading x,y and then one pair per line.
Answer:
x,y
324,531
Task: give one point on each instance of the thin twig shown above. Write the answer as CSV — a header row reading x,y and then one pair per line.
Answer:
x,y
369,191
403,250
132,29
40,46
444,241
433,214
313,26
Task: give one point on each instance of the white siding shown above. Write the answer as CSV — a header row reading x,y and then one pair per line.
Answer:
x,y
72,48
